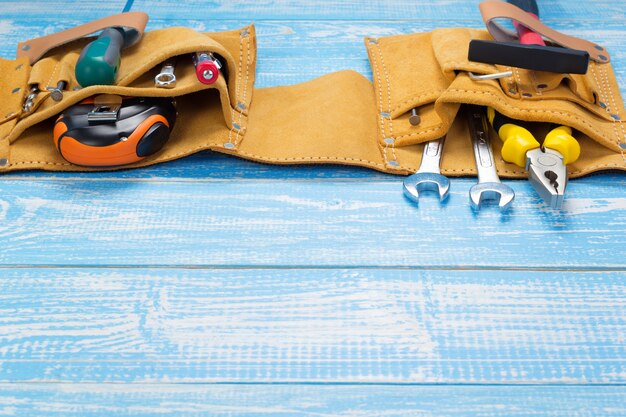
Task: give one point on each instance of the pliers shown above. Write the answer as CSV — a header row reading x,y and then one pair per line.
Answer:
x,y
546,165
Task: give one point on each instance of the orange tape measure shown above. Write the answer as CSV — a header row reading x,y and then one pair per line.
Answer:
x,y
109,130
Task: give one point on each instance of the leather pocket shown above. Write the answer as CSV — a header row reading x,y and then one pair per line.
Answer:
x,y
430,72
407,81
213,115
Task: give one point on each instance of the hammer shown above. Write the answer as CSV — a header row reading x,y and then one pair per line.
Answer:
x,y
532,52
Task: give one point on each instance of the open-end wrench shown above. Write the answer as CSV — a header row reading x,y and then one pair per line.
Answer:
x,y
489,187
428,176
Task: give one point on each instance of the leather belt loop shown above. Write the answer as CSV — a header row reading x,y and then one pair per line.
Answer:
x,y
491,10
34,49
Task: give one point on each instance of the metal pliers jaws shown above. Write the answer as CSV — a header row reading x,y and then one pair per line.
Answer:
x,y
548,175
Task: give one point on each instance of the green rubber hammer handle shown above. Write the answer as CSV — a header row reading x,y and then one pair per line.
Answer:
x,y
99,60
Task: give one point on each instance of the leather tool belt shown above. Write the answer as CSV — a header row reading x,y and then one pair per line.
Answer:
x,y
339,118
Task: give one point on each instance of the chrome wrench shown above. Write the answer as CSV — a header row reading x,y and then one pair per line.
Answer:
x,y
166,78
428,176
489,187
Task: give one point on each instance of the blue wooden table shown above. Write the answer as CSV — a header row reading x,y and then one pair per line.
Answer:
x,y
218,287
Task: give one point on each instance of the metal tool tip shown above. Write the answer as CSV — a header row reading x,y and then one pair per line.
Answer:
x,y
420,182
498,193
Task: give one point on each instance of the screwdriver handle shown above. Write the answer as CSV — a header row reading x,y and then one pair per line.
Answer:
x,y
560,139
517,140
99,60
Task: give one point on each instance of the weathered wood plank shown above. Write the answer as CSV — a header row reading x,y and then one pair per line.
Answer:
x,y
600,10
308,223
242,400
320,325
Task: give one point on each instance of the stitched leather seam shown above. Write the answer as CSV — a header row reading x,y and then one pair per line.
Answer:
x,y
604,94
588,169
386,73
52,75
414,99
380,104
605,82
420,133
245,90
239,69
312,158
40,162
518,81
499,99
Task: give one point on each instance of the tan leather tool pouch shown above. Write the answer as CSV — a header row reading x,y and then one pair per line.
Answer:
x,y
429,72
208,115
339,118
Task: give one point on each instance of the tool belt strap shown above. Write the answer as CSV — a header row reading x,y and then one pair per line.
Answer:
x,y
491,10
339,118
34,49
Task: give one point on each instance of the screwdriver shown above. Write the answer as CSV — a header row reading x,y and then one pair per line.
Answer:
x,y
99,60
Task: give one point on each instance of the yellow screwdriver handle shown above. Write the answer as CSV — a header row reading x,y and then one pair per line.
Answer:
x,y
560,139
517,140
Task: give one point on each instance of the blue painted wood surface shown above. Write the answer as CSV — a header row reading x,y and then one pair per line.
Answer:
x,y
89,400
119,289
312,325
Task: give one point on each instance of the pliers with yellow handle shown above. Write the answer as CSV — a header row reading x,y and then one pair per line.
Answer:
x,y
546,165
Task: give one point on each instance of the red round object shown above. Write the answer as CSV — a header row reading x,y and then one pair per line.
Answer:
x,y
207,72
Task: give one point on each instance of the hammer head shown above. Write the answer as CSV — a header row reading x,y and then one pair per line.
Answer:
x,y
532,57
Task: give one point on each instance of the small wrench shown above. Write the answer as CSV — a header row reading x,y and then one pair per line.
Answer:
x,y
428,176
489,187
166,78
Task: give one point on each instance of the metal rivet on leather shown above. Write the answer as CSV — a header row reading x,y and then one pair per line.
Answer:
x,y
526,95
389,141
616,117
244,33
394,163
373,41
4,162
512,90
622,145
602,57
241,105
414,118
599,48
601,104
229,145
15,90
236,126
25,47
542,86
385,114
